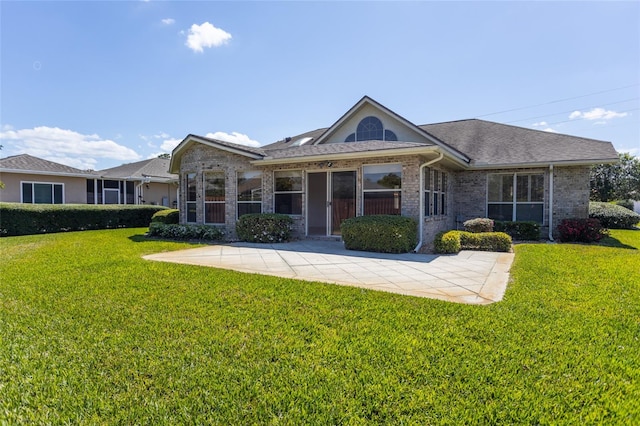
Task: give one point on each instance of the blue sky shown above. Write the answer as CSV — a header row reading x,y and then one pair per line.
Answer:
x,y
97,84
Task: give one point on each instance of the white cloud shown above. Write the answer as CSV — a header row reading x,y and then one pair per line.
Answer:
x,y
234,137
539,124
66,146
597,114
206,35
550,130
168,21
169,144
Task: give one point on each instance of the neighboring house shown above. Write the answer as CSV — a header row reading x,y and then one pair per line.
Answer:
x,y
31,179
373,161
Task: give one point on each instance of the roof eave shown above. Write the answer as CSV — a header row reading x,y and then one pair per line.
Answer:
x,y
267,161
593,162
41,172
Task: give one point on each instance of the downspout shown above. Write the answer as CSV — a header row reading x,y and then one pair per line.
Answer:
x,y
421,215
551,202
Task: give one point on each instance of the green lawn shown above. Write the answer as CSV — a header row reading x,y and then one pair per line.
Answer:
x,y
91,333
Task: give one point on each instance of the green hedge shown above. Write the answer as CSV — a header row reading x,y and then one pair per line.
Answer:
x,y
380,233
264,228
521,231
168,216
27,219
185,232
454,241
612,216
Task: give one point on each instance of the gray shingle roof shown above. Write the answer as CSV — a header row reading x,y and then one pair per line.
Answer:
x,y
288,142
153,168
250,149
489,143
340,148
28,163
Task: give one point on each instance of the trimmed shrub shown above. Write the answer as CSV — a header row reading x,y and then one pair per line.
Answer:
x,y
447,242
521,231
168,216
581,230
380,233
613,216
264,228
454,241
27,219
185,232
627,204
480,224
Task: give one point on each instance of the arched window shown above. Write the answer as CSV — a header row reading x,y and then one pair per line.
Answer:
x,y
370,129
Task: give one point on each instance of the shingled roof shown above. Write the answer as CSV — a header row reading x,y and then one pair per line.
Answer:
x,y
29,163
154,169
494,144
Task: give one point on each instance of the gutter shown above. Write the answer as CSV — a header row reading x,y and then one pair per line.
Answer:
x,y
551,202
421,215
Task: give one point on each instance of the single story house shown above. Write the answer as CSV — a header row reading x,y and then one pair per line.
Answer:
x,y
374,161
30,179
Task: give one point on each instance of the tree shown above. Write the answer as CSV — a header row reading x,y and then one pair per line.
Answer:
x,y
165,156
619,181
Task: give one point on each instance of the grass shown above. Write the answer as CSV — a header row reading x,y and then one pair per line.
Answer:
x,y
91,333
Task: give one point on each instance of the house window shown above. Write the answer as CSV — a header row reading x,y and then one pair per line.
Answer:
x,y
111,191
288,192
42,193
214,197
435,192
190,183
371,129
249,185
382,189
516,196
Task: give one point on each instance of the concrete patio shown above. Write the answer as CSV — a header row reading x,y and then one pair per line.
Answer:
x,y
472,277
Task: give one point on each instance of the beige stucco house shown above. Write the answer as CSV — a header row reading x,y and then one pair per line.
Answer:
x,y
30,179
374,161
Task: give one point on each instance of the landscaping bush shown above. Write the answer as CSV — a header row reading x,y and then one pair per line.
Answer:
x,y
581,230
185,232
627,204
380,233
168,216
264,228
613,216
454,241
27,219
522,231
480,224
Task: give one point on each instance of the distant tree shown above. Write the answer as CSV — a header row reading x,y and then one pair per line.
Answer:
x,y
390,180
165,156
619,181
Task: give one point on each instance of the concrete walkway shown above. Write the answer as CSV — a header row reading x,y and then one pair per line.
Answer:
x,y
473,277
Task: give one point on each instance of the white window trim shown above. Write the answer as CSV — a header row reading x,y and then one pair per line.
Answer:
x,y
429,193
186,198
238,202
364,191
301,191
204,194
514,201
33,191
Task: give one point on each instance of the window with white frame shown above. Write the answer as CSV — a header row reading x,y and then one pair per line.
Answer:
x,y
249,189
192,196
435,192
214,197
382,189
516,197
288,192
42,193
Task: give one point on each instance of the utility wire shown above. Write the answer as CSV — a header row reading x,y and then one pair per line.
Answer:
x,y
558,100
572,110
583,118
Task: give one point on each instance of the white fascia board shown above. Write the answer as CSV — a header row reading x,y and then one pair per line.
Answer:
x,y
542,164
40,172
267,161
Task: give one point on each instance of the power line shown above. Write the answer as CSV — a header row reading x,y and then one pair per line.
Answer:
x,y
572,110
583,118
558,100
